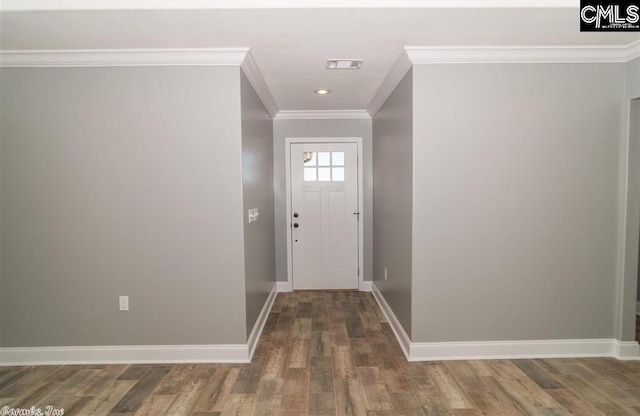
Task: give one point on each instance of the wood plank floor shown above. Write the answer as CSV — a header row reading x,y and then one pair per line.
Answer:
x,y
331,353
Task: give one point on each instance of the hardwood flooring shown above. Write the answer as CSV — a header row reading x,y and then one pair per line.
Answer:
x,y
331,353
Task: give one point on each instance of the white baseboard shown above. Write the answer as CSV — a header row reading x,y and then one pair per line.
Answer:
x,y
262,319
398,330
503,350
492,350
242,353
284,286
365,286
129,354
626,350
141,354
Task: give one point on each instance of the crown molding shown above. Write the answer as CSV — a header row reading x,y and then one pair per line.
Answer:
x,y
121,57
419,55
322,115
256,79
633,50
144,57
41,5
424,55
390,82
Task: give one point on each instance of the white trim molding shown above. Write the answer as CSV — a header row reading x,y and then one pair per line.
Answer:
x,y
322,115
423,55
396,326
493,350
145,57
141,354
363,286
256,79
122,57
390,82
129,354
633,50
284,286
292,140
420,55
503,350
39,5
252,342
626,350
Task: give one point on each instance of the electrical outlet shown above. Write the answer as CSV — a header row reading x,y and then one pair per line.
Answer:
x,y
385,274
124,303
252,216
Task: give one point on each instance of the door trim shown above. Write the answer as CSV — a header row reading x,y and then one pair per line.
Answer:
x,y
362,285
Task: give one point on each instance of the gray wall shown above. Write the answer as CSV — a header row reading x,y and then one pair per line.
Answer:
x,y
121,181
516,182
393,199
283,129
634,145
632,91
629,191
632,79
257,192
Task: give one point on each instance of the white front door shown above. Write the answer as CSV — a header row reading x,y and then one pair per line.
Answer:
x,y
324,215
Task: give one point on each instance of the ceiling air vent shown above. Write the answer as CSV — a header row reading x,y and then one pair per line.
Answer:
x,y
344,63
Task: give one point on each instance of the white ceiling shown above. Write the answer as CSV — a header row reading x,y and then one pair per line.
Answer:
x,y
291,45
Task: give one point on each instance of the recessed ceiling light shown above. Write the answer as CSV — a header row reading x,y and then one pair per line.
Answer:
x,y
322,91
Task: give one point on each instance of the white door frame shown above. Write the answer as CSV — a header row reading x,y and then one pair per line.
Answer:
x,y
288,285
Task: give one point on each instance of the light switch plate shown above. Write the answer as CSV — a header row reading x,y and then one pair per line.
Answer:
x,y
252,217
124,303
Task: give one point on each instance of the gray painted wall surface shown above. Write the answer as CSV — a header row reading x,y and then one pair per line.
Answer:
x,y
121,181
319,128
257,191
629,191
632,79
632,91
516,186
634,146
393,199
